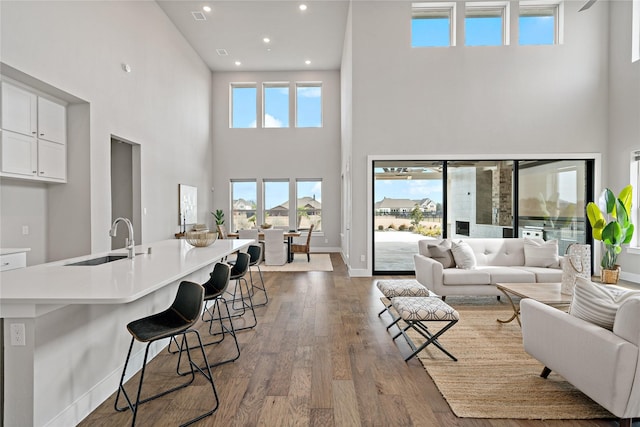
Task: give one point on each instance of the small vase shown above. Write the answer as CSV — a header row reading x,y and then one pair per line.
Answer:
x,y
610,276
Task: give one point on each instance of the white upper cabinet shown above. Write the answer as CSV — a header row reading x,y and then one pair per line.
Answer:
x,y
34,136
52,121
19,110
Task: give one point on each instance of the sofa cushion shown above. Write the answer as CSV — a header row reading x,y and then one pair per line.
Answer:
x,y
598,304
440,250
508,275
538,253
544,275
496,251
457,276
463,255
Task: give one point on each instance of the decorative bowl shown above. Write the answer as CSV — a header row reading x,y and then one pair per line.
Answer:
x,y
265,226
200,239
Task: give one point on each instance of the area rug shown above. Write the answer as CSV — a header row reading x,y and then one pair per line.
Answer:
x,y
319,262
495,378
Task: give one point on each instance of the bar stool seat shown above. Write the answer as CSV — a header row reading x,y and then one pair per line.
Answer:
x,y
176,320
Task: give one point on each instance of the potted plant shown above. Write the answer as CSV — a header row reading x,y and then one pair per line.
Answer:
x,y
611,223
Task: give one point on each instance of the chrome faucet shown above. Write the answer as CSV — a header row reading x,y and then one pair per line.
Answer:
x,y
129,241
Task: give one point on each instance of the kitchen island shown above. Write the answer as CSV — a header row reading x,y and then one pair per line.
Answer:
x,y
70,356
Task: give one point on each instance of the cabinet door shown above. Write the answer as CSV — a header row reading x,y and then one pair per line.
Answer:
x,y
52,121
19,112
52,160
19,154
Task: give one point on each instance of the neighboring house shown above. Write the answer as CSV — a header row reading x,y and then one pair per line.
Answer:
x,y
309,204
244,205
389,206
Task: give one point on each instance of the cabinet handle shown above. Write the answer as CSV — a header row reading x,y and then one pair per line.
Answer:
x,y
42,134
34,132
5,263
35,171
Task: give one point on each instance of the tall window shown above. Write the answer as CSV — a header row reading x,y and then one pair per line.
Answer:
x,y
486,24
635,31
276,203
243,106
308,105
539,23
309,204
275,105
243,196
432,24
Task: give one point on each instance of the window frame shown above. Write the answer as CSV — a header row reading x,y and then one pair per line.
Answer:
x,y
635,31
232,222
317,227
297,113
264,200
276,85
557,8
447,9
480,9
243,85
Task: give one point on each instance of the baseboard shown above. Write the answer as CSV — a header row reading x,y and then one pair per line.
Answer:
x,y
630,277
73,414
323,250
359,272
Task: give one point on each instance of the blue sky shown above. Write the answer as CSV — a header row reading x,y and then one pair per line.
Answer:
x,y
408,189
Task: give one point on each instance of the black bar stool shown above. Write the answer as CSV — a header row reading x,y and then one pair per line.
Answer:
x,y
176,320
238,272
255,257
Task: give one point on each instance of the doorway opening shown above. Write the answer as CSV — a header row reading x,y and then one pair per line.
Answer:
x,y
125,188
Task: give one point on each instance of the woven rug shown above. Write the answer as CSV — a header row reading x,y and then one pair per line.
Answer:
x,y
319,262
494,377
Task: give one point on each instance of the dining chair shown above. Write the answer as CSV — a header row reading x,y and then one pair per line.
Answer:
x,y
275,250
305,248
222,231
250,233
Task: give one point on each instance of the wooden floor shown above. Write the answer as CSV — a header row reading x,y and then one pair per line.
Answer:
x,y
319,356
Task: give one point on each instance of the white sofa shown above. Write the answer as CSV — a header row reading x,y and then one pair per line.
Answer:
x,y
603,364
498,261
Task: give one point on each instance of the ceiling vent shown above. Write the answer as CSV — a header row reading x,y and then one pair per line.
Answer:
x,y
199,16
222,52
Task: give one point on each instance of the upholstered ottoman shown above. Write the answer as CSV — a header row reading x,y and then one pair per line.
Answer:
x,y
416,312
401,288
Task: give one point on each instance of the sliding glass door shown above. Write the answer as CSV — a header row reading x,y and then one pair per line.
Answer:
x,y
407,207
415,200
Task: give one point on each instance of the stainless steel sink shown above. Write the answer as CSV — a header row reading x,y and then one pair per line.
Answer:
x,y
100,260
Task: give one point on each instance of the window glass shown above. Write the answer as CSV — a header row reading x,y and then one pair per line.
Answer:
x,y
484,26
276,106
308,105
537,25
276,203
309,204
243,196
243,106
431,25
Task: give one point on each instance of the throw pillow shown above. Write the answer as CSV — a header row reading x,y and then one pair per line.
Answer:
x,y
538,253
598,304
441,252
463,255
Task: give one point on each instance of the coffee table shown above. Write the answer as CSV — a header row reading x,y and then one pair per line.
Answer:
x,y
546,293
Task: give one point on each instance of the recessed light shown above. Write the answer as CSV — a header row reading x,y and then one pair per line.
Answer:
x,y
238,63
266,39
206,8
303,7
307,62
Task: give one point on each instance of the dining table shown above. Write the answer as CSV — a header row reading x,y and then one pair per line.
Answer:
x,y
288,237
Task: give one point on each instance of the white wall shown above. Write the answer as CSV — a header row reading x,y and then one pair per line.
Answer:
x,y
280,152
164,104
624,112
471,100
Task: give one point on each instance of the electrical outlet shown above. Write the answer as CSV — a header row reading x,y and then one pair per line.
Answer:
x,y
362,258
18,334
25,230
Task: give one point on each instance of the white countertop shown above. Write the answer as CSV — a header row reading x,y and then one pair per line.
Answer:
x,y
115,282
9,251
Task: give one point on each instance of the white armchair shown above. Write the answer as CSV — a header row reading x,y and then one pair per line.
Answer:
x,y
603,364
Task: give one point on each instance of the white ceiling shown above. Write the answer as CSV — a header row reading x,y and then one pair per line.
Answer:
x,y
239,27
